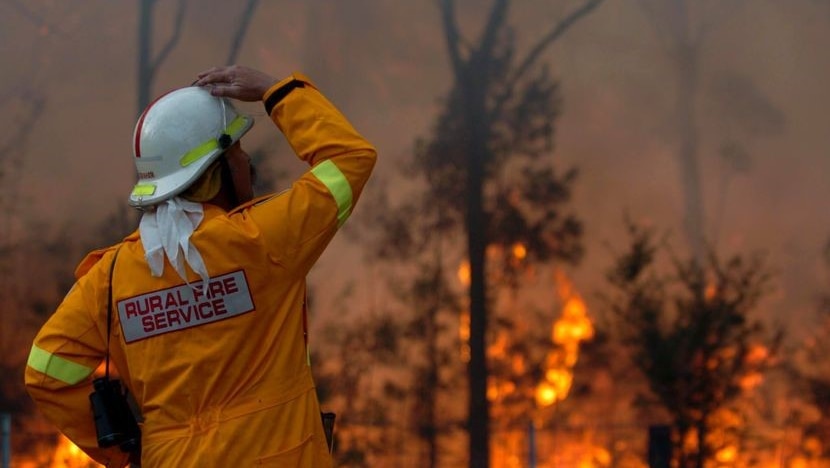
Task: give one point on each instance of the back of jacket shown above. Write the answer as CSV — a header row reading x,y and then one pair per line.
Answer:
x,y
219,370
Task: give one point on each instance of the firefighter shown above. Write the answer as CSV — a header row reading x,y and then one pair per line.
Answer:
x,y
206,301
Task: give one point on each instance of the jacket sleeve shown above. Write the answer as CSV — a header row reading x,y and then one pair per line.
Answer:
x,y
300,222
64,356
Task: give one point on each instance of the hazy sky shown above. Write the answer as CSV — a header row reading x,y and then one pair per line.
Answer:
x,y
384,63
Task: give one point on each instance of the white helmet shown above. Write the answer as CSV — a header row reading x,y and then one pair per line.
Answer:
x,y
177,138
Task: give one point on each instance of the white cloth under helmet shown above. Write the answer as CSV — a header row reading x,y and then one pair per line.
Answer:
x,y
166,231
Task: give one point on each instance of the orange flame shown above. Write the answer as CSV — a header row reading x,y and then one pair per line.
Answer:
x,y
464,273
68,455
573,327
519,251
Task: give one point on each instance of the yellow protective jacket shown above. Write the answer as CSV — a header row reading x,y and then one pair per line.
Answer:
x,y
222,378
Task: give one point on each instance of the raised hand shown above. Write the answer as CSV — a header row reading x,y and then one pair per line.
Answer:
x,y
236,82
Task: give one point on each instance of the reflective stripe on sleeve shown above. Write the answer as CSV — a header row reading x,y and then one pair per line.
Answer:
x,y
57,367
334,180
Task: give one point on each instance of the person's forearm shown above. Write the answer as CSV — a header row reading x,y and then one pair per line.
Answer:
x,y
313,126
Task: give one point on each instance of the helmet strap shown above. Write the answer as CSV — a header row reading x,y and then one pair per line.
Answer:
x,y
227,182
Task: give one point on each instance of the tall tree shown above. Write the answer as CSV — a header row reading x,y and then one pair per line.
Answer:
x,y
681,27
691,334
486,78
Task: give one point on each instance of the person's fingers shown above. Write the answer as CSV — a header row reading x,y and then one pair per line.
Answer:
x,y
235,82
215,91
221,90
218,75
233,91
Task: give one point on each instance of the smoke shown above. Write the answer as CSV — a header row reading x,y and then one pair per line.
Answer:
x,y
762,109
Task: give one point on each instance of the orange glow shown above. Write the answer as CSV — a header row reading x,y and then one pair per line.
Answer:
x,y
464,326
497,390
560,380
68,455
519,251
499,347
492,390
752,380
812,445
572,327
464,273
545,395
799,462
757,354
519,366
727,454
710,291
465,353
464,335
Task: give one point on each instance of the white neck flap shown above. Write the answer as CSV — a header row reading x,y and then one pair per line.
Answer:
x,y
167,231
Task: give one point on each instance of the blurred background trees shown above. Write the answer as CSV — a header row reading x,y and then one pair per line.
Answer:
x,y
564,135
693,333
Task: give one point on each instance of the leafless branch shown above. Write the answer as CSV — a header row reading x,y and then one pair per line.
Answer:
x,y
533,55
31,16
174,38
452,36
497,16
560,29
241,30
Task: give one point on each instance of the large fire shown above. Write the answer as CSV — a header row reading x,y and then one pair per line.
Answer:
x,y
68,455
530,438
65,454
572,328
514,443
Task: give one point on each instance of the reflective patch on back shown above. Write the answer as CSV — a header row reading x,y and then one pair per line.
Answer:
x,y
182,307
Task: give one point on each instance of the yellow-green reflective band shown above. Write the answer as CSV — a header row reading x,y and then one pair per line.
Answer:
x,y
143,190
236,126
202,150
57,367
334,180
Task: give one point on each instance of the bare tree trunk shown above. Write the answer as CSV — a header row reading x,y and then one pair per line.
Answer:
x,y
432,367
147,65
476,224
687,70
470,77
